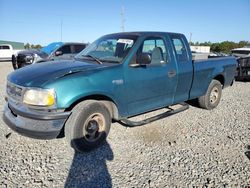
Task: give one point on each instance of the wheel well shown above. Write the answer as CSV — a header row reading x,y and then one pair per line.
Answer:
x,y
220,78
108,102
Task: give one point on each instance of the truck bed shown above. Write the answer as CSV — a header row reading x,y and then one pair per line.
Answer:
x,y
205,69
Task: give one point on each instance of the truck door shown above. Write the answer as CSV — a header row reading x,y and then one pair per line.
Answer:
x,y
151,86
185,67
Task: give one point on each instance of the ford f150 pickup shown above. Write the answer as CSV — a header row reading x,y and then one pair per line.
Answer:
x,y
116,77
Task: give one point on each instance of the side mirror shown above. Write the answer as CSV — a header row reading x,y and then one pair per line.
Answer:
x,y
143,59
58,53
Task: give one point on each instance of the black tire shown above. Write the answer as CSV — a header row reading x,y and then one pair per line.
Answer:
x,y
212,97
88,125
21,66
14,62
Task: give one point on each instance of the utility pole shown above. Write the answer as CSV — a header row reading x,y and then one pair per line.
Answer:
x,y
123,19
61,28
190,38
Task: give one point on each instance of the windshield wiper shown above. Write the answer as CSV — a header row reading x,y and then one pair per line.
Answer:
x,y
92,57
110,61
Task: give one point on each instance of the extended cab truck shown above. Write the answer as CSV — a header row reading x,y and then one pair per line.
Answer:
x,y
51,52
116,77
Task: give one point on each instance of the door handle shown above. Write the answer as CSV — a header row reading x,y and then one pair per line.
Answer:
x,y
171,74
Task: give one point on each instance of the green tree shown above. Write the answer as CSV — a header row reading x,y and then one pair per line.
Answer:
x,y
38,46
206,43
191,43
27,46
32,46
243,43
215,47
227,46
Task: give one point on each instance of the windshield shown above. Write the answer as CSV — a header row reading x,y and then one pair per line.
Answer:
x,y
51,47
111,48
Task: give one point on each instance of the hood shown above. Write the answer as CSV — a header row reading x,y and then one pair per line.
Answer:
x,y
51,47
38,74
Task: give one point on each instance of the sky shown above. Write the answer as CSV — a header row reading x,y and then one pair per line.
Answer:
x,y
45,21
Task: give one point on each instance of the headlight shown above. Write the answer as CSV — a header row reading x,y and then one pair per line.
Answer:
x,y
29,59
40,97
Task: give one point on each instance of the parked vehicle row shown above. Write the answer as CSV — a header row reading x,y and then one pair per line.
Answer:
x,y
51,52
116,77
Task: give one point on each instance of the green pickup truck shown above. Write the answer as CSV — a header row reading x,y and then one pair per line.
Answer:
x,y
116,77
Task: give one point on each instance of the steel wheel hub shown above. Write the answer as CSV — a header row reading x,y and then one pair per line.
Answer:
x,y
93,127
214,95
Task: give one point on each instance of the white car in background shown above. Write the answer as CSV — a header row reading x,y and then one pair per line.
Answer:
x,y
241,52
243,58
6,52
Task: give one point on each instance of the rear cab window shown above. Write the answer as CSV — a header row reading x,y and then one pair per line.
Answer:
x,y
65,49
180,49
78,48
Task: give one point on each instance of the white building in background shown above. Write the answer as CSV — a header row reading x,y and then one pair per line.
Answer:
x,y
200,49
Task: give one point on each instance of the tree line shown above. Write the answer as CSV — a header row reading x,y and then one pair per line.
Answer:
x,y
225,46
32,46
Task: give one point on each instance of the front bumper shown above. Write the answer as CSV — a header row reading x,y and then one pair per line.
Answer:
x,y
30,123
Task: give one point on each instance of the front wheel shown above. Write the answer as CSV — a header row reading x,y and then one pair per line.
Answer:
x,y
14,62
212,97
88,125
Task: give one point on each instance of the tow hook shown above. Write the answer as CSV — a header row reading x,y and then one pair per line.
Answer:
x,y
7,135
247,153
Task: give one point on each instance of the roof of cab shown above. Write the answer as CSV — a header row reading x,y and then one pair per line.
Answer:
x,y
140,33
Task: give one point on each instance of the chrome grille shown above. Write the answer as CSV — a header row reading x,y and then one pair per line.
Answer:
x,y
14,91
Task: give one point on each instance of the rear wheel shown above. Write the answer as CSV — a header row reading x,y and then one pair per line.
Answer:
x,y
212,97
88,125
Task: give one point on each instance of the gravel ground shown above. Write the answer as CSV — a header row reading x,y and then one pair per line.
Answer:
x,y
193,148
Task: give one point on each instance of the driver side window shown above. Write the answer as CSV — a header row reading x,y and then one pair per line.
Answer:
x,y
156,48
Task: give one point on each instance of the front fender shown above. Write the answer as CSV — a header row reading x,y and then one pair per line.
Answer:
x,y
71,91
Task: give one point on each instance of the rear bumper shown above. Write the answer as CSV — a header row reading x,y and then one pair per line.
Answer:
x,y
33,124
